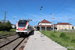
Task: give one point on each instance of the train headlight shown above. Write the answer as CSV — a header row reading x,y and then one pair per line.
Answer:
x,y
17,29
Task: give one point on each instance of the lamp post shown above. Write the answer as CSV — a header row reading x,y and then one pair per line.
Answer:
x,y
41,19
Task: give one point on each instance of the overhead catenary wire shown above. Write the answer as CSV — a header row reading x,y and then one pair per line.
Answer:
x,y
66,6
58,6
1,11
19,6
6,8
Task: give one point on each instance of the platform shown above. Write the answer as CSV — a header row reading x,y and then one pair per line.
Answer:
x,y
36,42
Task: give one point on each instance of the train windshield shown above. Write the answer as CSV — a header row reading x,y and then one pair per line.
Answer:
x,y
22,23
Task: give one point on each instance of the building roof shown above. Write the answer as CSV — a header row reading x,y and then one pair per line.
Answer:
x,y
63,24
44,21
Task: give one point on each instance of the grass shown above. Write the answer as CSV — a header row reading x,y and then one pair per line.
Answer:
x,y
4,34
66,39
12,30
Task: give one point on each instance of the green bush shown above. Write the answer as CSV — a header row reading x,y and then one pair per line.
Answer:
x,y
73,40
65,29
67,38
62,35
8,25
53,35
5,26
0,26
55,32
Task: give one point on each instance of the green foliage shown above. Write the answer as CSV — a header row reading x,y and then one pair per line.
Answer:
x,y
8,25
65,39
1,26
70,49
65,29
5,26
73,40
5,34
55,32
53,35
13,30
62,35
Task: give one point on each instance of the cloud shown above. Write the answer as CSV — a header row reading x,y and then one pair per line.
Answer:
x,y
37,17
49,18
14,16
57,18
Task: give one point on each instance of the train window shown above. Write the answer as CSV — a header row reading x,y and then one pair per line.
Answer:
x,y
22,23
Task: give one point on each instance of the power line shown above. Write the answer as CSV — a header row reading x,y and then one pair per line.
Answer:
x,y
19,7
1,11
66,6
6,8
59,6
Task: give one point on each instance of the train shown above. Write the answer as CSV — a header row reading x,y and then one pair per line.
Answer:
x,y
23,27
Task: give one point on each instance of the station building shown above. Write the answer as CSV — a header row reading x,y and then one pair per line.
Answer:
x,y
47,26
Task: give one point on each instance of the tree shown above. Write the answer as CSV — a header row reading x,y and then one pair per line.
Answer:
x,y
8,25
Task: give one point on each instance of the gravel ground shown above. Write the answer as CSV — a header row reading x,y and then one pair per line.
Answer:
x,y
6,40
22,45
12,45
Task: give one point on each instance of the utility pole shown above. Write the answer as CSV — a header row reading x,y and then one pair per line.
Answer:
x,y
5,17
53,20
69,23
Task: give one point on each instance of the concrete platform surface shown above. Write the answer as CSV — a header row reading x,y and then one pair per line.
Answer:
x,y
36,42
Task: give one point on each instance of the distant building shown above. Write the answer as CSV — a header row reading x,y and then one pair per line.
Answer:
x,y
45,25
13,26
73,27
63,26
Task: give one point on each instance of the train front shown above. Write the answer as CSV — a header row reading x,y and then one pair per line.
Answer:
x,y
21,26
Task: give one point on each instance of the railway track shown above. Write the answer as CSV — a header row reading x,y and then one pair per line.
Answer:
x,y
15,44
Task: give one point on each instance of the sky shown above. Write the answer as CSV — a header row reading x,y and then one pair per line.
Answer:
x,y
30,9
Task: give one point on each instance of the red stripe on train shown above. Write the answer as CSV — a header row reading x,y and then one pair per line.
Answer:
x,y
26,24
17,24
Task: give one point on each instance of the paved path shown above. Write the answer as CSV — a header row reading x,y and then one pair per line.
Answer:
x,y
36,42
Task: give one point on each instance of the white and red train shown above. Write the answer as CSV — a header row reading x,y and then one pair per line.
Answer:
x,y
23,27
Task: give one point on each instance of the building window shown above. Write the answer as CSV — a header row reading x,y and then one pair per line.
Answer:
x,y
60,25
63,25
67,25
